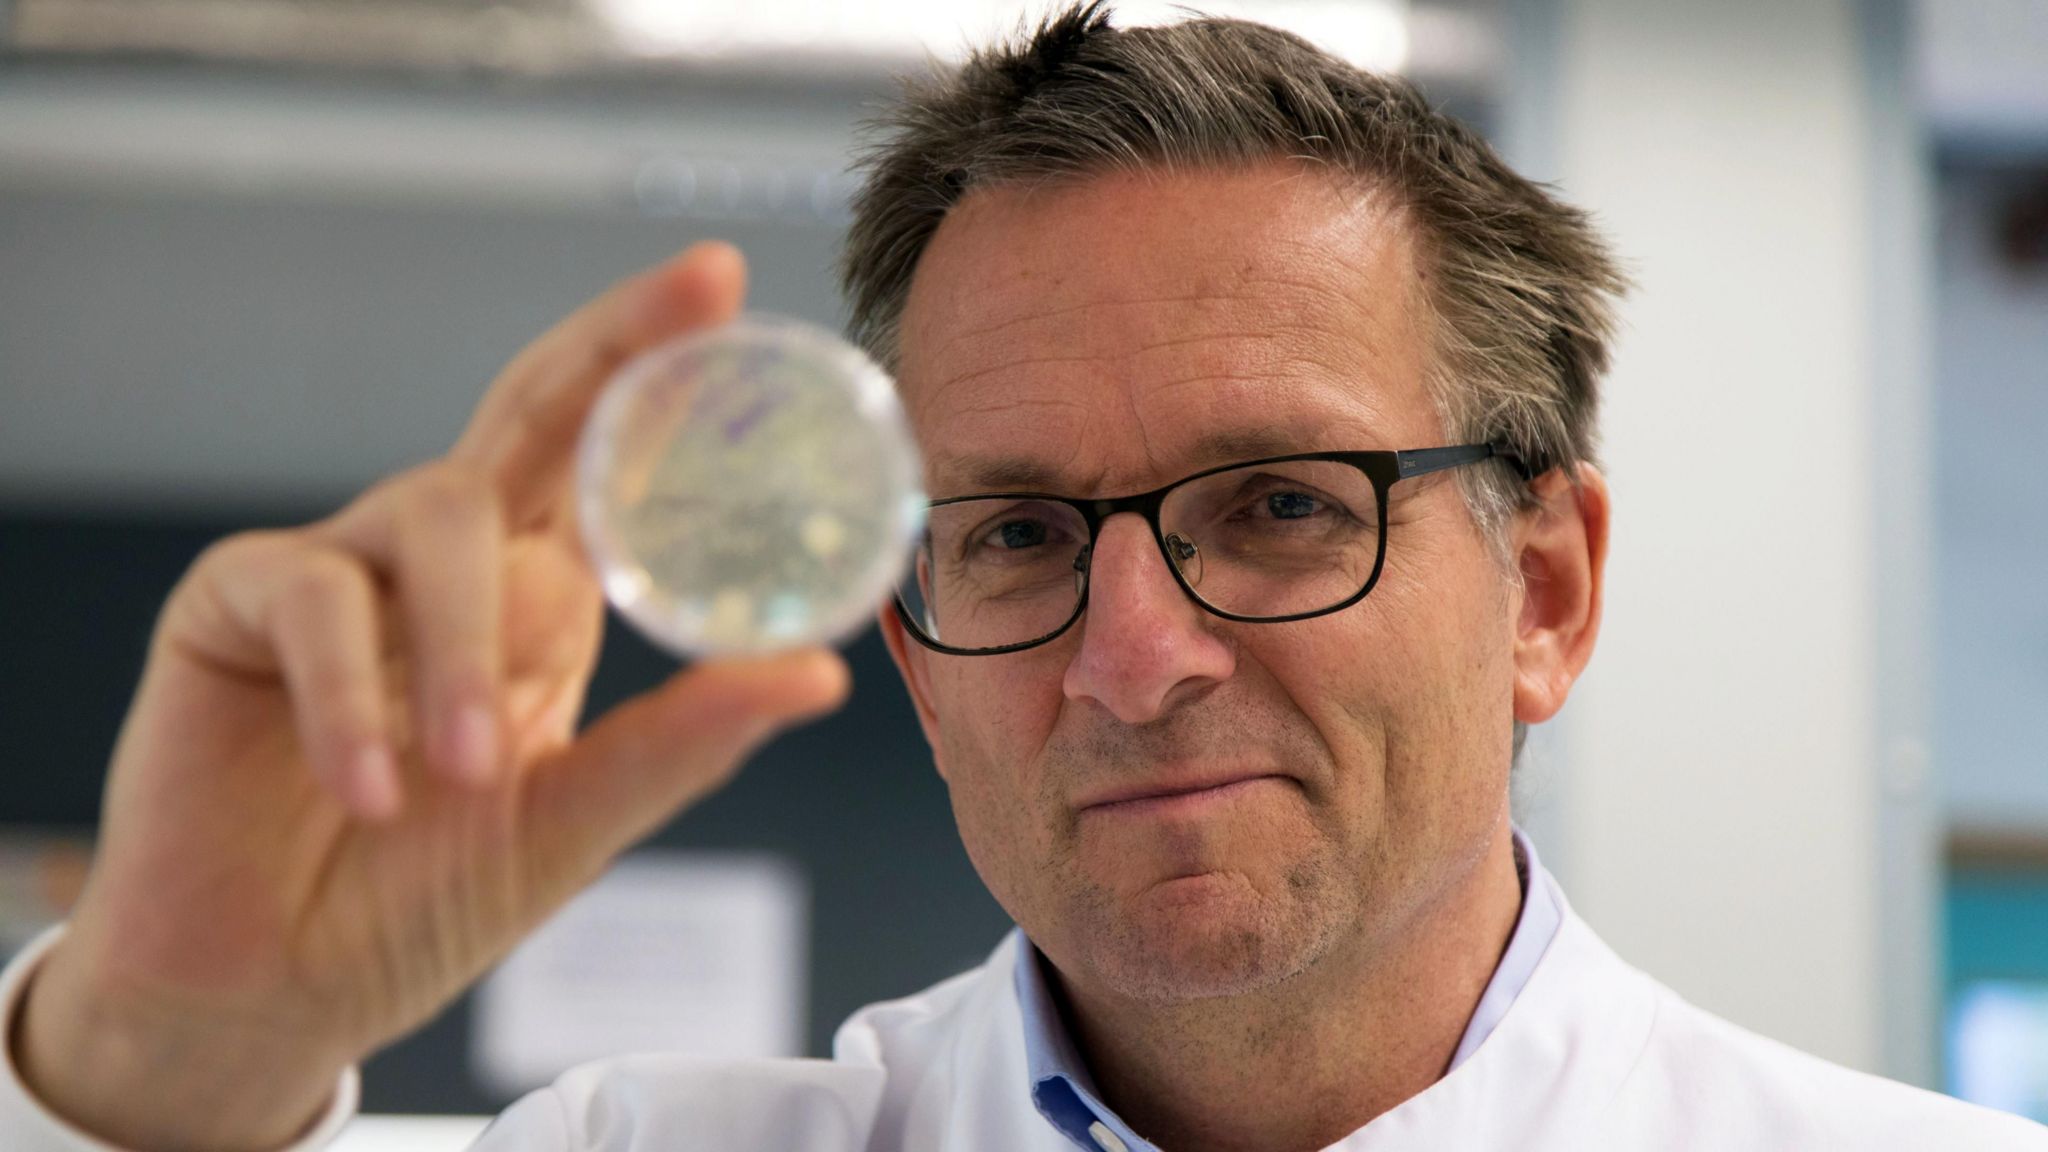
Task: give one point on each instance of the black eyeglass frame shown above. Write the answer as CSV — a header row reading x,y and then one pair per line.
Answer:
x,y
1383,468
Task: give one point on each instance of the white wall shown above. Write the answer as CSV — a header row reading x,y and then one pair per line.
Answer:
x,y
1719,797
1992,484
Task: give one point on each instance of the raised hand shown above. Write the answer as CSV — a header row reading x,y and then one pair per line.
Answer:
x,y
349,781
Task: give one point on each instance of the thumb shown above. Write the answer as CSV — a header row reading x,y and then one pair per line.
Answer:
x,y
661,751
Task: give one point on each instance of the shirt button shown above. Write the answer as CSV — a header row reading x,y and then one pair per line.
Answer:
x,y
1105,1138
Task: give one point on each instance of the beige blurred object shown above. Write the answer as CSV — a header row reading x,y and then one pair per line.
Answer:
x,y
41,875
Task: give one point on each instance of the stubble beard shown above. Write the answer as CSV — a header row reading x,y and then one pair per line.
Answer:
x,y
1186,939
1226,940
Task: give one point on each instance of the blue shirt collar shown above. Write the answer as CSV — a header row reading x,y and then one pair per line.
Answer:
x,y
1066,1096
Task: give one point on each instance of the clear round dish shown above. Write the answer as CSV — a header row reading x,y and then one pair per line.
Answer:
x,y
749,488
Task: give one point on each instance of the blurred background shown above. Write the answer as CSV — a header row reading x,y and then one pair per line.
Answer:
x,y
255,254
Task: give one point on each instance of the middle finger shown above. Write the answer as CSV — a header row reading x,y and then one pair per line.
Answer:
x,y
438,531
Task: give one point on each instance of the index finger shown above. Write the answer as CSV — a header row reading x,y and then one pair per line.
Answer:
x,y
524,433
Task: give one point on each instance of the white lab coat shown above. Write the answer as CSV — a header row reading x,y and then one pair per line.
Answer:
x,y
1592,1055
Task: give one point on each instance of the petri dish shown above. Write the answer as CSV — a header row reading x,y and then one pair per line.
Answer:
x,y
749,488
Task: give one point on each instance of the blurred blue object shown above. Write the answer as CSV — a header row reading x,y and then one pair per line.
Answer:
x,y
1997,1020
1998,1046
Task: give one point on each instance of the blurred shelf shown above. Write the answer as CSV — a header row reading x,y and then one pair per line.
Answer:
x,y
700,150
1998,850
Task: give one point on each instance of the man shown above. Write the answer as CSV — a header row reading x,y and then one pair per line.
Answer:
x,y
1259,400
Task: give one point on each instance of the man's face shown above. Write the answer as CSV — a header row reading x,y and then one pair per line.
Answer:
x,y
1115,335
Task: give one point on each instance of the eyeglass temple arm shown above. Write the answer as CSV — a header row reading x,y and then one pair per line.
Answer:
x,y
1423,461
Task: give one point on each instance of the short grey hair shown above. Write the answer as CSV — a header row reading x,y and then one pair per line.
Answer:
x,y
1520,288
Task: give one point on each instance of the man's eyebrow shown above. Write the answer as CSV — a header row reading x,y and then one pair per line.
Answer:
x,y
1025,474
1225,446
1003,474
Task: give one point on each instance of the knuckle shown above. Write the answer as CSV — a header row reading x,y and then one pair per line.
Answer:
x,y
319,579
446,494
249,551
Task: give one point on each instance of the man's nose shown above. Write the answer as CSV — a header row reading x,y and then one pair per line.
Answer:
x,y
1144,643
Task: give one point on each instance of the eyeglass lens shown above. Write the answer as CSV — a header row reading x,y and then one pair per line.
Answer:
x,y
1263,541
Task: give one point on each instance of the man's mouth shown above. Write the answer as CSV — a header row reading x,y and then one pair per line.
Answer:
x,y
1179,793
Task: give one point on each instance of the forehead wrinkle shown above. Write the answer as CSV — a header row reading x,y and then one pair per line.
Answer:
x,y
1004,467
1272,352
1288,356
981,351
1067,310
1273,334
1069,419
1009,366
1380,261
1351,315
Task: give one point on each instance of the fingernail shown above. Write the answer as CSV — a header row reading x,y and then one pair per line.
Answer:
x,y
373,779
475,744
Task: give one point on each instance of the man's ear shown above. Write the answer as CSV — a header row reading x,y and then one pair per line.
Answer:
x,y
912,660
1560,548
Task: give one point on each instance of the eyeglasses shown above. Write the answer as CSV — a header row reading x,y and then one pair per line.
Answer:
x,y
1267,541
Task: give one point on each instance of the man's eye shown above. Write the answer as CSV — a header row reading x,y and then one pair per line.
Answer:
x,y
1019,533
1285,505
1290,505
